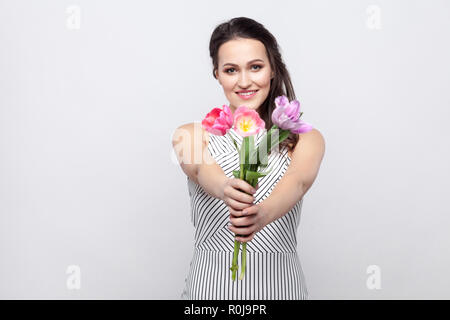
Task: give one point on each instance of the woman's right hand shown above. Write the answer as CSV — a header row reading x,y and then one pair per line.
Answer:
x,y
238,194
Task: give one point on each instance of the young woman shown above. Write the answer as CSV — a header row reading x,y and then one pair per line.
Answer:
x,y
248,65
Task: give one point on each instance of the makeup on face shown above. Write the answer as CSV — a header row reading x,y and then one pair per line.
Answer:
x,y
251,92
244,72
247,94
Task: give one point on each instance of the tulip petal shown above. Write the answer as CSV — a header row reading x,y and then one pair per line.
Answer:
x,y
293,109
287,115
303,127
281,101
247,121
218,121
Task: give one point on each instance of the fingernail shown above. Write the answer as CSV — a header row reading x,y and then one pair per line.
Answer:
x,y
253,190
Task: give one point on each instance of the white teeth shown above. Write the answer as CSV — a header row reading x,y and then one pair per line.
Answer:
x,y
247,93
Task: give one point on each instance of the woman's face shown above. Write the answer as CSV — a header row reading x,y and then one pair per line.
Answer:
x,y
243,65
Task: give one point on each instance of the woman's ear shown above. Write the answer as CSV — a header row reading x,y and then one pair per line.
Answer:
x,y
217,76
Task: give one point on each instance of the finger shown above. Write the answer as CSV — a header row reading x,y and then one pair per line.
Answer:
x,y
247,238
243,185
251,210
243,221
235,193
241,196
235,213
242,231
236,205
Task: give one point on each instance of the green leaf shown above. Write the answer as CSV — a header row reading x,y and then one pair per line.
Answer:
x,y
262,159
244,153
277,137
251,150
265,173
247,149
252,175
234,142
236,173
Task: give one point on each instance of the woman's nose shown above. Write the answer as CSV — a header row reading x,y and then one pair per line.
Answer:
x,y
244,80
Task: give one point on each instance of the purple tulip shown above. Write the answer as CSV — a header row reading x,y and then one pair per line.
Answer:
x,y
286,116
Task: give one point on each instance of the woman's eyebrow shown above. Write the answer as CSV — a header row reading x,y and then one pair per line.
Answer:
x,y
233,64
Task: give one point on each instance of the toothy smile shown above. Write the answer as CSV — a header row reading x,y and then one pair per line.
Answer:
x,y
247,94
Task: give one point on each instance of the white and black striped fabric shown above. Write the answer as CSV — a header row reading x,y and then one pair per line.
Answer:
x,y
273,269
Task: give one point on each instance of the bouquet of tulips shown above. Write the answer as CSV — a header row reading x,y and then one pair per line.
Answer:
x,y
247,123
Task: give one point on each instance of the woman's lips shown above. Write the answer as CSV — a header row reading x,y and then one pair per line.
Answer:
x,y
247,96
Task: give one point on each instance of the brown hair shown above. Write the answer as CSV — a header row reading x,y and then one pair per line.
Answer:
x,y
243,27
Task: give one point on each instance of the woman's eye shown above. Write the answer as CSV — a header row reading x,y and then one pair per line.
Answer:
x,y
259,67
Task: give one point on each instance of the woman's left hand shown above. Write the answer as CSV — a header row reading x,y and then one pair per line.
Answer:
x,y
246,223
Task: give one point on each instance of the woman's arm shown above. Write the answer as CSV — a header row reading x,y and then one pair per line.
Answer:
x,y
298,178
190,143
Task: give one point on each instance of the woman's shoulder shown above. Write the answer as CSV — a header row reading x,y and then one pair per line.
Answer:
x,y
313,136
195,130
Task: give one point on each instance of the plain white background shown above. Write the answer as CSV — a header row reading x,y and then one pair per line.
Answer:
x,y
88,176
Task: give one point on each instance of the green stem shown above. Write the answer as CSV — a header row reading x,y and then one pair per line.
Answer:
x,y
237,244
234,266
243,260
244,244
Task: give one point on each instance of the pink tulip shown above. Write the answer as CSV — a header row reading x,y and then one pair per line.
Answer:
x,y
247,122
286,116
218,121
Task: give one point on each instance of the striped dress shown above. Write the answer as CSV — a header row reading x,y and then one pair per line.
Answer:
x,y
273,269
